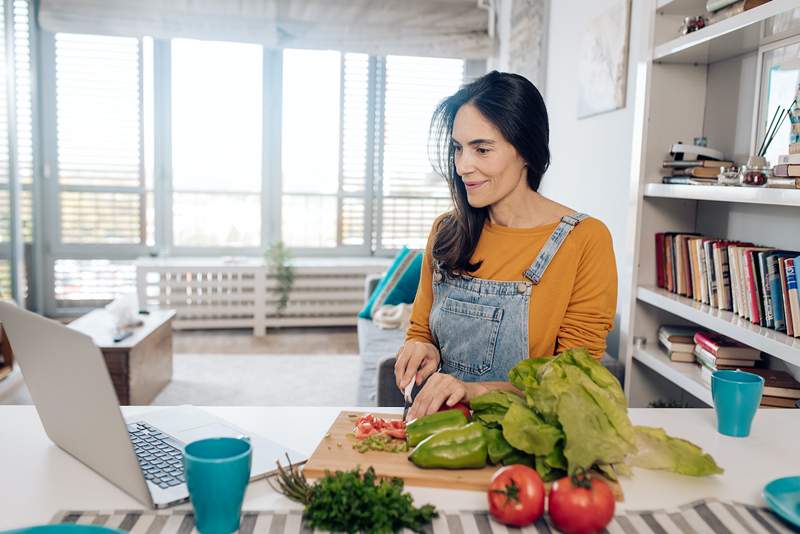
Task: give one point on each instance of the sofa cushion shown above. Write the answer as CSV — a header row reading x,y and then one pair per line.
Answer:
x,y
399,285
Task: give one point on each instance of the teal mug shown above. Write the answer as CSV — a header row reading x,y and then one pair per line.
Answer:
x,y
736,396
217,473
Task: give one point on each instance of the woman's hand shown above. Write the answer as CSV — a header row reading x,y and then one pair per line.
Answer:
x,y
416,360
442,388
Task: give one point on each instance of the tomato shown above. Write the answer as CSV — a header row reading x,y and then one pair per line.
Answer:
x,y
578,505
457,406
369,425
516,495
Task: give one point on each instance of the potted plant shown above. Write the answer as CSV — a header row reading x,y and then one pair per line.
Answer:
x,y
278,260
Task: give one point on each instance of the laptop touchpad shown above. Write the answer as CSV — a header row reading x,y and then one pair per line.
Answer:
x,y
211,430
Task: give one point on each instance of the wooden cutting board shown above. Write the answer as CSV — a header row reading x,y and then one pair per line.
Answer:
x,y
335,453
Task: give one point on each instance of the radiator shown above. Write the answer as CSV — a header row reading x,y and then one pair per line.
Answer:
x,y
210,293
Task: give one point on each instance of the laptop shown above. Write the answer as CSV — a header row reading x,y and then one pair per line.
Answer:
x,y
72,390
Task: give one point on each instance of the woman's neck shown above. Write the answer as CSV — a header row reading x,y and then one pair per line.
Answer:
x,y
523,208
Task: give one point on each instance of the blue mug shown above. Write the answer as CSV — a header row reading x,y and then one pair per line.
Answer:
x,y
217,473
736,395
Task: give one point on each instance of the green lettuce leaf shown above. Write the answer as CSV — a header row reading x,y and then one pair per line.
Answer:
x,y
499,448
525,431
657,450
590,436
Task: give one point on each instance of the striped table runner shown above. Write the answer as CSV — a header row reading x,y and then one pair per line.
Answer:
x,y
705,516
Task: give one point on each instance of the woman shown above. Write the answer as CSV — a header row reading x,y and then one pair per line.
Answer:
x,y
508,273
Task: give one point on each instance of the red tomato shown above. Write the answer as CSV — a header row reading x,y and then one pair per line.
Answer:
x,y
457,406
516,495
368,425
578,505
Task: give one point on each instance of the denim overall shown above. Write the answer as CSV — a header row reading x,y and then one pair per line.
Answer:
x,y
481,326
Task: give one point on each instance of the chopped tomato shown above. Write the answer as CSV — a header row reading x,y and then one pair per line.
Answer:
x,y
369,425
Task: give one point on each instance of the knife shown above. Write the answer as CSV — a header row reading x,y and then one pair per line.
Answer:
x,y
407,399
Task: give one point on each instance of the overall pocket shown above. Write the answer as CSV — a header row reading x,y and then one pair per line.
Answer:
x,y
467,332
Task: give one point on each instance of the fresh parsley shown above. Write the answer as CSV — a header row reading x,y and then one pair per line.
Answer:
x,y
352,501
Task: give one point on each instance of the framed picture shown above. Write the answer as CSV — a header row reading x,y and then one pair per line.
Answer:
x,y
603,64
779,85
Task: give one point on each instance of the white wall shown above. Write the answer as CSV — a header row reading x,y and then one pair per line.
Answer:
x,y
591,157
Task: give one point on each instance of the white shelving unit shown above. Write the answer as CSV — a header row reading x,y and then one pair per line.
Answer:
x,y
707,83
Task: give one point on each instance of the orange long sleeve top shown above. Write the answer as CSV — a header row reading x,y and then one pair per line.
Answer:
x,y
572,306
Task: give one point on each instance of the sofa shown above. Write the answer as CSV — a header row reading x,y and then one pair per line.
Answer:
x,y
377,349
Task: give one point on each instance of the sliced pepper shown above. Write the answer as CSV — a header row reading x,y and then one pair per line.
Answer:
x,y
421,428
454,448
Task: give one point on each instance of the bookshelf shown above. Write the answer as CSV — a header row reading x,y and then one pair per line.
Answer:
x,y
744,195
707,83
728,38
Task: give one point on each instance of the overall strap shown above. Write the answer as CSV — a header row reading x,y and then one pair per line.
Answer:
x,y
539,266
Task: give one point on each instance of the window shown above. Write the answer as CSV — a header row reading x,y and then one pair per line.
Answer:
x,y
324,140
352,131
412,194
20,128
99,143
216,144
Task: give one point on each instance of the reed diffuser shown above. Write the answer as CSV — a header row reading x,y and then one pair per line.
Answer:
x,y
757,171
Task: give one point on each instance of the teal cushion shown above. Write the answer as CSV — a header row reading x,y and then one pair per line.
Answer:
x,y
399,285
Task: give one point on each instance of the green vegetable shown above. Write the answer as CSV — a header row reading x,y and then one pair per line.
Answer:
x,y
657,450
526,431
490,408
354,502
519,457
576,417
455,448
498,447
421,428
381,442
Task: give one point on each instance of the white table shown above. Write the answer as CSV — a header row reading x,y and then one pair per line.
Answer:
x,y
37,479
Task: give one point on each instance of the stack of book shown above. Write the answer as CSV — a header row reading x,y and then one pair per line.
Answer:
x,y
719,10
715,352
693,164
787,172
781,390
678,341
756,283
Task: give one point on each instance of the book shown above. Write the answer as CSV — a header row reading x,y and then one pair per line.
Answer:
x,y
786,170
778,383
677,180
787,310
794,148
775,289
724,347
791,290
752,274
779,402
680,164
661,280
764,290
686,152
697,172
792,159
716,5
719,251
705,357
677,338
734,9
711,277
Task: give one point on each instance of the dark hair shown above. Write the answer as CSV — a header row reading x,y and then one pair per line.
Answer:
x,y
516,108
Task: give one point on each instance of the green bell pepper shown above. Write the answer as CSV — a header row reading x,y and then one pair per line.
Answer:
x,y
421,428
455,448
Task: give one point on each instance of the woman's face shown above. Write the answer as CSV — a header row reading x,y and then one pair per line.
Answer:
x,y
490,166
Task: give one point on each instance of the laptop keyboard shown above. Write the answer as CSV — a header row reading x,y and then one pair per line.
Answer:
x,y
161,463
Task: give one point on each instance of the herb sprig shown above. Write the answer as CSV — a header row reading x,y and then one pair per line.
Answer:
x,y
352,501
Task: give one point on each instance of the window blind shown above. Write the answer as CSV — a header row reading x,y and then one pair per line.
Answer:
x,y
411,193
98,129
